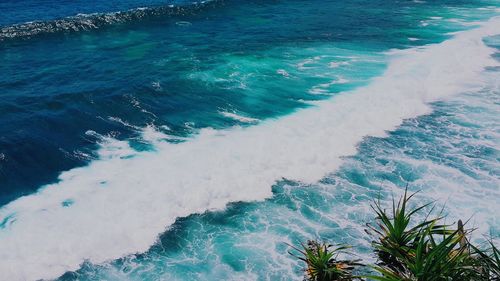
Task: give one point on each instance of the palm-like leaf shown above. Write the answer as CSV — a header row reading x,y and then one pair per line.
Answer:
x,y
435,256
394,232
323,263
487,262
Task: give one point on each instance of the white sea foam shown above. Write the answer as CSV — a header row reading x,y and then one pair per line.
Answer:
x,y
122,122
323,88
237,117
125,199
424,23
283,72
335,64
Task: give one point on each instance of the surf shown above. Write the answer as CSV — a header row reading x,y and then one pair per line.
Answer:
x,y
87,22
119,204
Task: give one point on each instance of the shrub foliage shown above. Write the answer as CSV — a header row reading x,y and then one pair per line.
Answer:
x,y
407,250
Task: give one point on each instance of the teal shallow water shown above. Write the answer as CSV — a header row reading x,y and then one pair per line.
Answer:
x,y
133,102
450,156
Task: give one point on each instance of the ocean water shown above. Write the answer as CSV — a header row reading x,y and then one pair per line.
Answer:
x,y
20,12
152,140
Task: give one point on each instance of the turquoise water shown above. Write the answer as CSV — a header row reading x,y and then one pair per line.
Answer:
x,y
124,126
449,155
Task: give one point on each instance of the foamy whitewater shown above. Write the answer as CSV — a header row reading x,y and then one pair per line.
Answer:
x,y
119,204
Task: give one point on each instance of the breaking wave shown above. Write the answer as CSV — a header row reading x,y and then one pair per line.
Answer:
x,y
84,22
120,203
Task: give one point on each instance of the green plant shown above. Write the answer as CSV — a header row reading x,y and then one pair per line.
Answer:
x,y
487,262
394,233
323,263
408,250
433,260
423,251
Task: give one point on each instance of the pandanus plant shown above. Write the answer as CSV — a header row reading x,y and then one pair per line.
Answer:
x,y
425,251
408,250
488,262
323,263
432,259
394,233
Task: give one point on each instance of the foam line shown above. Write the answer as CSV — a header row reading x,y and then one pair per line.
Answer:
x,y
121,202
83,22
239,118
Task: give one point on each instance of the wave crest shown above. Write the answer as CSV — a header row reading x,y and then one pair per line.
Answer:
x,y
84,22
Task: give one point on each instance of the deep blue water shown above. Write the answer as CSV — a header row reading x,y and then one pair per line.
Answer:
x,y
18,12
71,85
